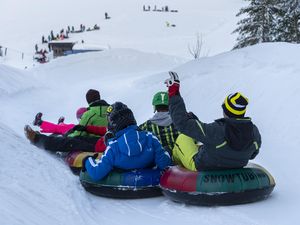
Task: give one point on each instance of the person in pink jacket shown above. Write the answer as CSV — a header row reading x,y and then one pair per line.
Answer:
x,y
60,128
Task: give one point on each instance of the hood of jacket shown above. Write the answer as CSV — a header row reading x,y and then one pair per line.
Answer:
x,y
162,119
131,141
99,103
239,133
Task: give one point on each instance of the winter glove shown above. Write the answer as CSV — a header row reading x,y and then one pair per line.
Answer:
x,y
79,128
94,157
173,84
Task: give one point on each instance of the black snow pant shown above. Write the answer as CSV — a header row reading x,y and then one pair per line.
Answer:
x,y
65,144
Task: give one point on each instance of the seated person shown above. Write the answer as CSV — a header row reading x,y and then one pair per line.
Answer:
x,y
130,148
95,114
60,127
161,124
67,144
229,142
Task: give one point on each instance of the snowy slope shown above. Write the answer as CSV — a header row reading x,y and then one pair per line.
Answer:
x,y
24,22
37,188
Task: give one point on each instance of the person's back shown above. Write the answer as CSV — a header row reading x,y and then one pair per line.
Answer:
x,y
131,148
95,115
229,142
134,149
161,124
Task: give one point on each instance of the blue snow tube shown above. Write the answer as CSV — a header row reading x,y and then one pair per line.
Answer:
x,y
139,183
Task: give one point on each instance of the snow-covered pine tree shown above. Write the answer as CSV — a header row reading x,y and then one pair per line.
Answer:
x,y
288,21
258,25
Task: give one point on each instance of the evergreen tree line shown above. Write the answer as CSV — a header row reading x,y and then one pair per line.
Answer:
x,y
269,21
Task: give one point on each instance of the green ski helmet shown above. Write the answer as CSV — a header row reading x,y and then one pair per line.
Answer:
x,y
160,98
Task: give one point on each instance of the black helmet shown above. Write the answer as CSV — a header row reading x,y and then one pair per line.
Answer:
x,y
119,117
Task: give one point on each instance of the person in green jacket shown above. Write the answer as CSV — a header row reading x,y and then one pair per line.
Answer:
x,y
229,142
161,124
95,114
78,138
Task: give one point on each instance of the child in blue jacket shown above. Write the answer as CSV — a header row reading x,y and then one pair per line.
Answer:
x,y
130,148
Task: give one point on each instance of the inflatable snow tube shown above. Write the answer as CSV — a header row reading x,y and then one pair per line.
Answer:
x,y
217,187
140,183
74,160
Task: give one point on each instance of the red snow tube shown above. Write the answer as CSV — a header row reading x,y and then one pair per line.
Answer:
x,y
217,187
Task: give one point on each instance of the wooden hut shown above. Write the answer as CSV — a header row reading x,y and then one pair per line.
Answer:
x,y
59,47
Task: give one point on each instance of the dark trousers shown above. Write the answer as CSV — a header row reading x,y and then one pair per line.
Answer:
x,y
65,144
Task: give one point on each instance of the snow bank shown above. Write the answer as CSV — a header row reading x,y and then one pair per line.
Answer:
x,y
33,180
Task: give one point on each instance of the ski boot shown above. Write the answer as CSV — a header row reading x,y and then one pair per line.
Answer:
x,y
38,119
30,134
61,120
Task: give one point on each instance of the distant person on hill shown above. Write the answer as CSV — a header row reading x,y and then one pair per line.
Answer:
x,y
52,35
1,52
36,48
44,40
106,16
130,148
229,142
161,124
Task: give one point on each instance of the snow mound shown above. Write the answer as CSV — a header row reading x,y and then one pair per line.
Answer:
x,y
37,188
13,80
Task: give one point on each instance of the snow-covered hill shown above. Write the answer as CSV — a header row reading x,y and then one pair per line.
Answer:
x,y
24,22
37,188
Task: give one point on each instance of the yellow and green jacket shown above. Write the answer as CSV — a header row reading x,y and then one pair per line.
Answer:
x,y
162,127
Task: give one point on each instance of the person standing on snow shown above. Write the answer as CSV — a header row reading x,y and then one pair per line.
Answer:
x,y
229,142
130,148
161,124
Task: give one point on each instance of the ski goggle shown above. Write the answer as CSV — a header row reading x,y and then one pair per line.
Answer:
x,y
109,109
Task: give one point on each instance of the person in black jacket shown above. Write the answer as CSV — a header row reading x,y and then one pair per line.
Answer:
x,y
229,142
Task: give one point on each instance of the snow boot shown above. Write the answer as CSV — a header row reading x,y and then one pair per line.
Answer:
x,y
38,119
61,120
30,134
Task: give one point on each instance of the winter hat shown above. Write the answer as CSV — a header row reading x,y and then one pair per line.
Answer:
x,y
92,96
80,112
119,117
235,105
160,98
